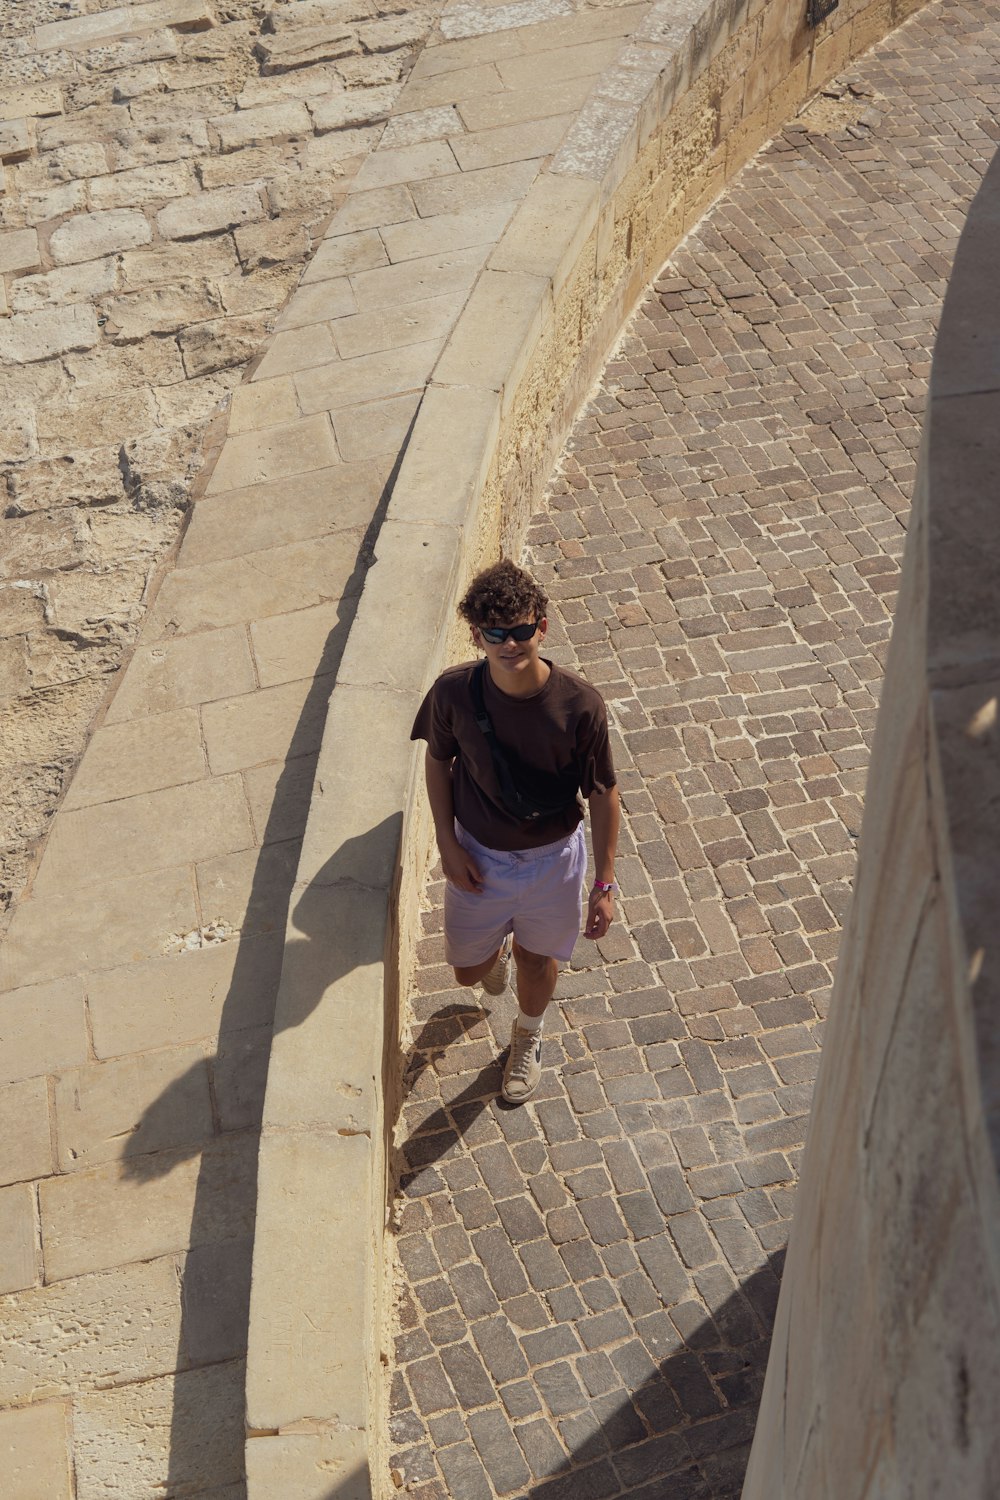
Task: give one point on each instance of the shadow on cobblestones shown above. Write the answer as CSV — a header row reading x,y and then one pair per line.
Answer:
x,y
673,1438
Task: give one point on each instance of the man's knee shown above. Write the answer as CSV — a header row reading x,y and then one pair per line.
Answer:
x,y
531,963
467,977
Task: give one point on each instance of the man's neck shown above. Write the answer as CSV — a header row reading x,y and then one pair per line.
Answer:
x,y
522,684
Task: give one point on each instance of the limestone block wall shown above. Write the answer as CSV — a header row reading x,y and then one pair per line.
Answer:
x,y
695,87
166,170
884,1374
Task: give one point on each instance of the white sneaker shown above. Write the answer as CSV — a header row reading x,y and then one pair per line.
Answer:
x,y
495,980
523,1068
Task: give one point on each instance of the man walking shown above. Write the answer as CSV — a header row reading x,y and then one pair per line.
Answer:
x,y
513,743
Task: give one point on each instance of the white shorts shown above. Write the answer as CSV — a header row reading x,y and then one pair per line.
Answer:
x,y
535,893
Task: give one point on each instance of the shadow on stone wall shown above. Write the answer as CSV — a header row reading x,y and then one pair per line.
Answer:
x,y
215,1289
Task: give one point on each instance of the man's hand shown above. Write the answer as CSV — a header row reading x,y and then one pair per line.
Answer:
x,y
600,913
460,868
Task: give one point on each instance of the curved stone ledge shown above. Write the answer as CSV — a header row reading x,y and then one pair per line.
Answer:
x,y
696,87
884,1369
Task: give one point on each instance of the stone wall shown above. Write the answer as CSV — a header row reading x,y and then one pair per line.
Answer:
x,y
167,169
884,1373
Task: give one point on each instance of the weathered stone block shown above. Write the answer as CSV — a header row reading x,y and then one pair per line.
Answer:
x,y
25,1134
427,318
342,254
357,107
249,890
273,242
132,83
19,1260
137,834
220,344
82,283
34,100
115,419
549,230
238,589
307,1356
372,210
292,646
91,30
119,1110
464,423
34,1450
416,280
266,725
270,122
142,185
140,1209
159,750
407,164
84,1333
42,1029
164,310
136,148
319,303
303,1466
89,236
497,332
15,140
397,31
261,403
209,213
374,430
444,232
125,1441
192,994
95,927
26,337
466,190
304,46
286,449
19,251
340,498
159,265
369,377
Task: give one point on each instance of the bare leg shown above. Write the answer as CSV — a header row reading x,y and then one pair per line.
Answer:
x,y
536,980
469,977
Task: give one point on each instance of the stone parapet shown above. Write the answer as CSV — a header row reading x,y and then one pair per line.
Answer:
x,y
515,330
884,1369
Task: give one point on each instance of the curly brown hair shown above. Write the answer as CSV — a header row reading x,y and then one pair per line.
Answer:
x,y
502,595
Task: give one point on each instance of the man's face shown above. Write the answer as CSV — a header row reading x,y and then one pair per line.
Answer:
x,y
509,656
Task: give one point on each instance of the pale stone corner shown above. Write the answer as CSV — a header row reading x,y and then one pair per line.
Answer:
x,y
463,423
548,231
497,333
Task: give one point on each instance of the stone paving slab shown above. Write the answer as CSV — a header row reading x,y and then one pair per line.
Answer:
x,y
586,1285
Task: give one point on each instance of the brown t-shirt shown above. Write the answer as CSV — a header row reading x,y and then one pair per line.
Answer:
x,y
557,735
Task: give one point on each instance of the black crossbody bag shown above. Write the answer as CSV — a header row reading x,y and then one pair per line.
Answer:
x,y
519,803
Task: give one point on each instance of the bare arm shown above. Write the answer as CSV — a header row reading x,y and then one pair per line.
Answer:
x,y
458,865
605,817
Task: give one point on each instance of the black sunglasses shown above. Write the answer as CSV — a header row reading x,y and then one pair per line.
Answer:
x,y
495,635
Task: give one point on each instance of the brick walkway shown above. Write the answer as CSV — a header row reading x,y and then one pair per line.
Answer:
x,y
587,1283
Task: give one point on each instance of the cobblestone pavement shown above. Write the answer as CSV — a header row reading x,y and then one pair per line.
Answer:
x,y
587,1283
